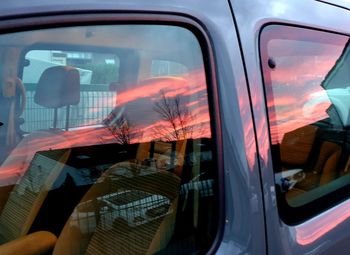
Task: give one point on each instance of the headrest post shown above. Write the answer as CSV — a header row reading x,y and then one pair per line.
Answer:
x,y
55,117
67,117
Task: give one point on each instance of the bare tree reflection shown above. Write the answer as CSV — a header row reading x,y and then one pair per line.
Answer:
x,y
177,118
122,130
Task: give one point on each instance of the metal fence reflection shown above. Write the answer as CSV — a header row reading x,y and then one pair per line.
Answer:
x,y
96,102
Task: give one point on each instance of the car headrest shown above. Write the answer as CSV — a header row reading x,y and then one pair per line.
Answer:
x,y
58,86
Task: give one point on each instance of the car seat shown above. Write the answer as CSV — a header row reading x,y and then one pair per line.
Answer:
x,y
296,145
325,170
28,195
108,221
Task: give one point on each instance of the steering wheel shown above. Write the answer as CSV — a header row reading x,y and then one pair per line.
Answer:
x,y
22,91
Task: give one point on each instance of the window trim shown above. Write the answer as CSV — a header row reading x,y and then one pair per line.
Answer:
x,y
88,18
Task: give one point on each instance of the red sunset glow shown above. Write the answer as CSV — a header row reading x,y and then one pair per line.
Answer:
x,y
293,88
150,88
137,103
191,89
248,128
303,58
311,231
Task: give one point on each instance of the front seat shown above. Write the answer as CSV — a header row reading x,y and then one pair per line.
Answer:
x,y
27,197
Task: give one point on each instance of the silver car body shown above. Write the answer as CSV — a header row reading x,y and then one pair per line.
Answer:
x,y
250,220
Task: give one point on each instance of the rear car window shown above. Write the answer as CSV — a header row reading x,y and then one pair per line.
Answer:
x,y
307,91
98,71
106,140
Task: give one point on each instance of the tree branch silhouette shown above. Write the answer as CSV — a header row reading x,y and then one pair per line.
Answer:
x,y
177,117
122,130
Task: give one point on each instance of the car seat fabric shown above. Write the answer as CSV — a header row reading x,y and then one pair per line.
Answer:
x,y
325,169
114,230
328,161
41,242
327,150
296,145
29,194
170,155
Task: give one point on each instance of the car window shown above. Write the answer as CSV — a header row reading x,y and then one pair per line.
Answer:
x,y
307,90
106,140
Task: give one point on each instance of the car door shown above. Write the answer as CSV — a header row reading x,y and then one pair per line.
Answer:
x,y
137,132
296,55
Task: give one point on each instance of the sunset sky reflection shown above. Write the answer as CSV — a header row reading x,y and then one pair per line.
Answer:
x,y
136,102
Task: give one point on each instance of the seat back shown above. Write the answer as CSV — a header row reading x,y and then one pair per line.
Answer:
x,y
123,215
327,162
29,193
170,155
296,145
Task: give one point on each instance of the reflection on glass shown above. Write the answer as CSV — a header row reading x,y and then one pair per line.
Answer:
x,y
106,140
306,78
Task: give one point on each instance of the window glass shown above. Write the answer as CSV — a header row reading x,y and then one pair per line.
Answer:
x,y
105,140
307,91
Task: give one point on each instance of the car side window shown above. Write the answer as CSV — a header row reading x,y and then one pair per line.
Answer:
x,y
102,152
307,92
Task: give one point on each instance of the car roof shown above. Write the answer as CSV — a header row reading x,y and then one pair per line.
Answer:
x,y
17,8
340,3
